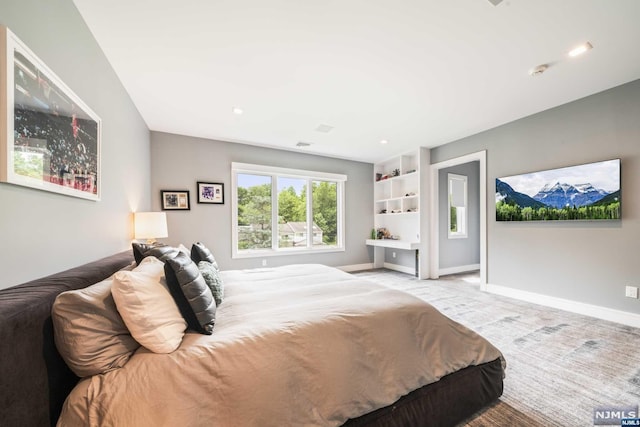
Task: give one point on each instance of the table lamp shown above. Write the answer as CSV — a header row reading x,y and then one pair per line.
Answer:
x,y
150,225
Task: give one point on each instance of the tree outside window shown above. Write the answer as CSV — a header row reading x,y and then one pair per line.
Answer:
x,y
307,211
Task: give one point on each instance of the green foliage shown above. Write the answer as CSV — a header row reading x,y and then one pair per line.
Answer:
x,y
254,212
453,212
243,200
291,207
28,165
325,209
513,212
256,206
254,217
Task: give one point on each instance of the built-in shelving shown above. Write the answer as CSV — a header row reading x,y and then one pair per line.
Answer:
x,y
398,202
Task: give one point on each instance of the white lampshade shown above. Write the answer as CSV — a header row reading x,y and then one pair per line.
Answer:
x,y
150,225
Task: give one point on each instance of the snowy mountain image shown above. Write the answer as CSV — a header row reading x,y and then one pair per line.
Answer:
x,y
560,195
590,191
505,193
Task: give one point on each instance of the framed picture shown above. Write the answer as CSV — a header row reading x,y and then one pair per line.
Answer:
x,y
210,192
175,200
49,139
584,192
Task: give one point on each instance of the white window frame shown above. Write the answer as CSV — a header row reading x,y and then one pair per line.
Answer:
x,y
274,173
461,211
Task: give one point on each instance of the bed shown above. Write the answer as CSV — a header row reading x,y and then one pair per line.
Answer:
x,y
295,345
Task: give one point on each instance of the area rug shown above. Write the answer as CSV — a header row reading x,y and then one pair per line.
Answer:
x,y
561,366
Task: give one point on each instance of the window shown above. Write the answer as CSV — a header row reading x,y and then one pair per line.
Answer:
x,y
457,206
282,211
254,211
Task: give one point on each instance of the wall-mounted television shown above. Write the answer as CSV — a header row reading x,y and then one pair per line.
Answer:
x,y
583,192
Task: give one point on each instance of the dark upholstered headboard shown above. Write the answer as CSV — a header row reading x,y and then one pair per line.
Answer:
x,y
34,380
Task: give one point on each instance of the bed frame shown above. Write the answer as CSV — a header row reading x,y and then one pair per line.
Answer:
x,y
35,381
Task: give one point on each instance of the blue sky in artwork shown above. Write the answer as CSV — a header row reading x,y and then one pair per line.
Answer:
x,y
602,175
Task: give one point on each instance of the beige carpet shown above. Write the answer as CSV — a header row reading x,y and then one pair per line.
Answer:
x,y
560,365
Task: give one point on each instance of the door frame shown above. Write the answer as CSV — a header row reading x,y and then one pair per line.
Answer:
x,y
434,247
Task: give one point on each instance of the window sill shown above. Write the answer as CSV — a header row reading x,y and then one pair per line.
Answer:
x,y
457,236
283,252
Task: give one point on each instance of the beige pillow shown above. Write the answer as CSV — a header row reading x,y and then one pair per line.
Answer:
x,y
89,333
147,307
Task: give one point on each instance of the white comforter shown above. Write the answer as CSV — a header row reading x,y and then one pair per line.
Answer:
x,y
301,345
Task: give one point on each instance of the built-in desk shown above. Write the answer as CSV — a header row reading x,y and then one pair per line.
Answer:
x,y
391,243
381,244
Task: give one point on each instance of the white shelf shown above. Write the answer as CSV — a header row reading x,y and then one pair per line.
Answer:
x,y
408,224
398,213
397,198
391,243
397,177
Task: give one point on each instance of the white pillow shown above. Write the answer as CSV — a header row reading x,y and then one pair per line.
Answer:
x,y
147,307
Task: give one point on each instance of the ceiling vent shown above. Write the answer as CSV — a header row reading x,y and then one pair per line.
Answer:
x,y
324,128
538,70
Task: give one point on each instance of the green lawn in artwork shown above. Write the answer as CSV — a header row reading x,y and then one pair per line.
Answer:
x,y
29,164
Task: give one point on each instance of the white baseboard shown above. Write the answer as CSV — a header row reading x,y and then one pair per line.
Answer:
x,y
356,267
370,266
459,269
596,311
400,268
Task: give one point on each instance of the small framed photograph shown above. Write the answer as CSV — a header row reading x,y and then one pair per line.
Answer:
x,y
211,192
175,200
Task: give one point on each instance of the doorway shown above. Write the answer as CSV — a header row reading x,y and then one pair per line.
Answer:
x,y
436,217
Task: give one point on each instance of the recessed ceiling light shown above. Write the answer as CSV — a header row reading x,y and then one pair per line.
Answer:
x,y
384,141
237,110
579,50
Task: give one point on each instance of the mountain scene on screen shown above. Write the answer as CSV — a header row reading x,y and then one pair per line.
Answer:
x,y
559,195
508,195
556,201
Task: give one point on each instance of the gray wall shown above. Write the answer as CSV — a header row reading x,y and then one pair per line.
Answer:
x,y
590,262
43,232
178,162
460,252
404,258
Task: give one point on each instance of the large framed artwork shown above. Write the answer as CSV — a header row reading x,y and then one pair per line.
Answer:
x,y
49,139
584,192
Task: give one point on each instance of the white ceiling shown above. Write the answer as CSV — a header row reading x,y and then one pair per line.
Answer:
x,y
413,72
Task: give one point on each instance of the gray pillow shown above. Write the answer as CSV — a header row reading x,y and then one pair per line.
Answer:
x,y
191,293
158,250
199,252
89,333
212,278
